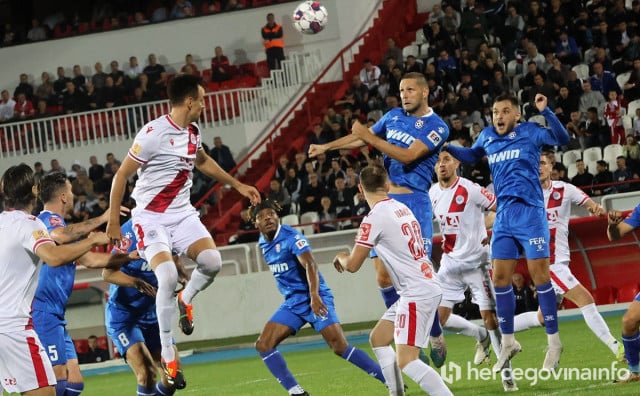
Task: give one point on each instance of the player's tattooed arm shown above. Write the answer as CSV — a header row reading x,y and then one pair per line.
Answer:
x,y
73,232
307,261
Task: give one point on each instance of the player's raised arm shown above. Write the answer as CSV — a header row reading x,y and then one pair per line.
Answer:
x,y
350,141
617,228
118,186
416,150
309,264
73,232
558,131
468,155
209,167
57,255
106,260
119,278
353,261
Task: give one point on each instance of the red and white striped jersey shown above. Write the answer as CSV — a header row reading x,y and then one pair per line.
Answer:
x,y
21,235
392,229
558,199
167,154
459,210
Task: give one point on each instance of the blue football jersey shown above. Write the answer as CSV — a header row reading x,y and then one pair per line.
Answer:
x,y
281,255
633,219
56,283
129,298
401,130
514,158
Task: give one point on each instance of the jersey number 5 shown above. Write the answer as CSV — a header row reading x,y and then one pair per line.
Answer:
x,y
416,244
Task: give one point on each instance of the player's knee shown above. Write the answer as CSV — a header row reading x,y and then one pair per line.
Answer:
x,y
338,345
262,345
629,324
167,275
209,262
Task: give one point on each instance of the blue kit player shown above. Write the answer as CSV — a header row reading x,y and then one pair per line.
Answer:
x,y
56,283
513,151
131,318
410,139
618,228
307,299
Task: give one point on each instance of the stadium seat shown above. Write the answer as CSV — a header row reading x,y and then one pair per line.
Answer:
x,y
604,295
410,50
582,71
512,68
570,157
572,170
633,106
611,152
308,217
592,154
628,292
262,69
81,346
206,75
622,78
289,220
103,342
627,123
420,38
538,119
558,155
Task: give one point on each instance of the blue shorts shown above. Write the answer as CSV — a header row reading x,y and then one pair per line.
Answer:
x,y
520,228
420,205
55,339
127,329
296,316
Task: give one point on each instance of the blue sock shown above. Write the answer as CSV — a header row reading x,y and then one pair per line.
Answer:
x,y
357,357
144,391
632,349
278,367
61,387
389,295
162,390
74,388
505,308
436,329
549,306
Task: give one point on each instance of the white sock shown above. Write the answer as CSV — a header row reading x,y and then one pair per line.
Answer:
x,y
458,324
495,341
167,276
554,339
209,263
526,321
508,339
296,390
387,359
427,378
599,327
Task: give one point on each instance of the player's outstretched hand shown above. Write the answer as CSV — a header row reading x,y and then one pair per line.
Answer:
x,y
318,306
614,217
113,232
99,238
145,288
337,263
597,210
316,149
251,193
541,102
361,131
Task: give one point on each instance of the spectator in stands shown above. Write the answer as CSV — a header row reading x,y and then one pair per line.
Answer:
x,y
82,183
273,41
222,154
247,231
512,31
220,66
318,135
603,175
299,165
95,169
602,80
631,151
181,9
38,171
590,98
118,77
282,168
327,215
623,173
157,76
583,178
111,96
447,68
95,353
37,32
393,51
533,56
613,112
370,75
60,84
45,90
140,19
9,37
540,86
311,194
74,100
474,25
322,165
24,87
99,77
451,20
133,69
567,49
111,160
360,210
7,106
233,5
56,167
525,294
438,39
632,86
292,184
412,65
565,105
576,129
280,195
143,85
335,172
94,98
188,59
342,198
23,108
467,107
78,78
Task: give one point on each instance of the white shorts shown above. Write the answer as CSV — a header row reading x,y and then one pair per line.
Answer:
x,y
413,320
177,231
561,278
24,365
455,277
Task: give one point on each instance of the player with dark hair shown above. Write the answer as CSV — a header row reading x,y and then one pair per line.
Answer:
x,y
394,231
163,154
131,317
307,299
513,151
56,282
410,138
24,365
617,228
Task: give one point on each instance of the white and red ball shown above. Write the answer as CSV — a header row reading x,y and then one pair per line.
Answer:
x,y
310,17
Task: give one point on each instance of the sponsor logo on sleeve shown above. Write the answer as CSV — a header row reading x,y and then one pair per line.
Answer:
x,y
301,243
40,234
363,232
434,138
55,221
135,149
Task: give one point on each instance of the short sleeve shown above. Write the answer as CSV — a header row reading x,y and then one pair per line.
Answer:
x,y
368,233
482,197
576,195
436,137
35,235
380,127
145,145
299,244
634,218
51,220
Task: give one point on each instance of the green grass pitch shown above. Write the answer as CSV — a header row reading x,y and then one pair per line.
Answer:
x,y
322,373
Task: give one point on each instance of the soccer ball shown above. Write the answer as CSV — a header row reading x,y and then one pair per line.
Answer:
x,y
310,17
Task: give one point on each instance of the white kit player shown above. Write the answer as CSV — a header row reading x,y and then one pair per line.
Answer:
x,y
395,233
558,198
24,365
164,153
459,206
